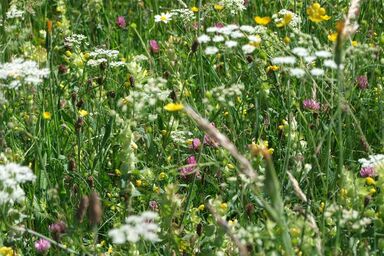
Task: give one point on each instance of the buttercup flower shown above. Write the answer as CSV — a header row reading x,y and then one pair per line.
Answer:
x,y
317,13
47,115
262,20
172,107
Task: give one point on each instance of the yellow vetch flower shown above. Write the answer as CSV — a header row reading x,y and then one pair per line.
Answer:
x,y
110,250
138,183
201,207
47,115
287,40
261,149
194,9
218,7
173,107
285,21
370,181
83,112
6,251
332,37
262,20
224,206
273,68
118,172
355,43
317,13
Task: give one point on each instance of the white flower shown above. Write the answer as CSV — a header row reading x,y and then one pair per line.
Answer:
x,y
309,59
317,72
330,64
297,72
185,14
163,17
300,51
237,34
210,50
284,60
230,44
13,12
323,54
248,29
255,39
136,227
20,71
212,29
203,39
247,49
11,176
217,39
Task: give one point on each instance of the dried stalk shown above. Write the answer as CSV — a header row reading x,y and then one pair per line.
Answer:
x,y
242,249
224,142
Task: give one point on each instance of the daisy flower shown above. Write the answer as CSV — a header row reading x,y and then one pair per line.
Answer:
x,y
163,17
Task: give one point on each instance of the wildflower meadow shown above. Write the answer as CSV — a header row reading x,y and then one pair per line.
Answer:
x,y
191,127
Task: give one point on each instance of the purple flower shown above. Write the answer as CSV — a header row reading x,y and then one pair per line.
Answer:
x,y
196,143
42,245
190,169
58,227
311,104
367,172
362,82
120,22
154,46
219,25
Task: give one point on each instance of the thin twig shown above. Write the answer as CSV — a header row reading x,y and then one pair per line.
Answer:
x,y
242,249
30,231
224,142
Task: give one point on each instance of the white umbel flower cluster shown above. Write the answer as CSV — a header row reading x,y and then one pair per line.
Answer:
x,y
11,176
372,161
20,71
75,40
137,227
235,6
99,56
14,13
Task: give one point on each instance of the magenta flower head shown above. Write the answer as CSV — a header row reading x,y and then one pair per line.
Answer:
x,y
362,82
154,46
153,205
190,169
196,143
42,245
219,25
120,22
311,104
367,172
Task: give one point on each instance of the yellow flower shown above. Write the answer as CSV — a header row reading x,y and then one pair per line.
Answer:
x,y
355,43
370,181
68,54
332,37
138,183
162,176
261,149
47,115
83,112
224,206
287,40
317,13
262,20
110,250
118,172
201,207
173,107
6,251
272,68
194,9
285,21
218,7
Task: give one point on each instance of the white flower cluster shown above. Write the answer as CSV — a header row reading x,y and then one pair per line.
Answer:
x,y
99,56
235,6
75,40
144,96
230,36
184,14
284,15
20,71
372,161
224,95
14,13
11,176
307,57
137,226
349,218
